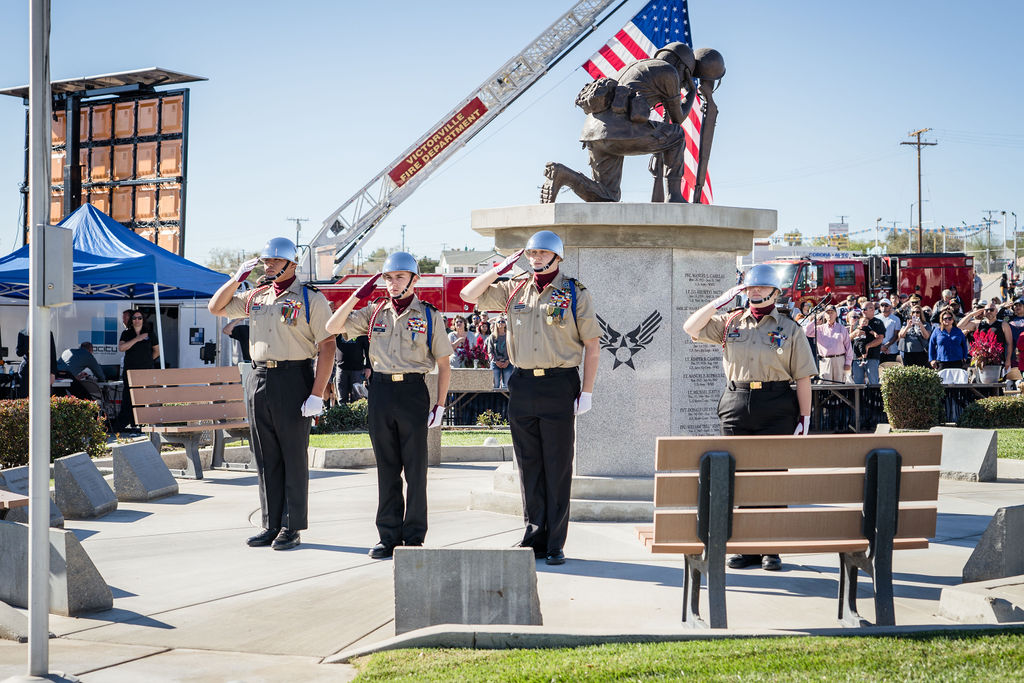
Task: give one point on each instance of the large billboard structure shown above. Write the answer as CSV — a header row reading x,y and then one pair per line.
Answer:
x,y
121,145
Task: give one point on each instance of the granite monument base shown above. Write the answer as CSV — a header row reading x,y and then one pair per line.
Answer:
x,y
1000,552
647,267
76,586
80,490
140,474
15,480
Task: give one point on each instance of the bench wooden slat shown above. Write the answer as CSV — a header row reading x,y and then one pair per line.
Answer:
x,y
773,525
204,393
182,429
156,414
784,452
797,487
10,500
792,547
171,376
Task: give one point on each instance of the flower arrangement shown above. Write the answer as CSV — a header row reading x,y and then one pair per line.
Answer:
x,y
985,349
472,355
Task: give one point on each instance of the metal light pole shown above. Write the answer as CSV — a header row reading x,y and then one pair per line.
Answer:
x,y
877,221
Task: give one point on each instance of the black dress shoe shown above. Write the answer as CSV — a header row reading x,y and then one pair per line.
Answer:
x,y
771,563
286,540
741,561
381,551
557,557
263,538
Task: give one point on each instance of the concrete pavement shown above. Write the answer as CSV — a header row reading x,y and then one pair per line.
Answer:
x,y
193,602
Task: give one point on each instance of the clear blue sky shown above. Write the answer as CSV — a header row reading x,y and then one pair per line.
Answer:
x,y
308,101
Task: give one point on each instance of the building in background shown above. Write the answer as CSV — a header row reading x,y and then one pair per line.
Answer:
x,y
468,261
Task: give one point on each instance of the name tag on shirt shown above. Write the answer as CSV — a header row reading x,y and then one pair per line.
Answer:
x,y
519,307
380,327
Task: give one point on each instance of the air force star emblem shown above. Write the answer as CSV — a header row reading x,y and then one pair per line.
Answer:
x,y
624,347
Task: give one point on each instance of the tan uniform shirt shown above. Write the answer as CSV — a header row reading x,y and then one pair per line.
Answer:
x,y
751,351
398,343
532,343
277,323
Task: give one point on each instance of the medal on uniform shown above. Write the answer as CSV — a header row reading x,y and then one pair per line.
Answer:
x,y
560,301
778,339
290,311
416,325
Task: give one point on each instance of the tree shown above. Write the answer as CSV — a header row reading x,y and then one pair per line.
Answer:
x,y
227,260
427,264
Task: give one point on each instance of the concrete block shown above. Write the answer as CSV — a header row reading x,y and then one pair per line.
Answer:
x,y
79,488
495,453
140,474
1000,552
76,586
13,624
465,586
16,481
997,601
968,454
341,458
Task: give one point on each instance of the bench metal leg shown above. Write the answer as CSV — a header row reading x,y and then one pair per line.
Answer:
x,y
693,566
218,449
193,464
849,563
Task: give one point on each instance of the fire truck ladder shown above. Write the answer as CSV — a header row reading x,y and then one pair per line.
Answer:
x,y
353,223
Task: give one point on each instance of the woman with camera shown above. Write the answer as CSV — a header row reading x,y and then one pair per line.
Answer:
x,y
914,339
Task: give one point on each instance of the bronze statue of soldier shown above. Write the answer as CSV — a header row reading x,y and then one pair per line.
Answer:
x,y
618,125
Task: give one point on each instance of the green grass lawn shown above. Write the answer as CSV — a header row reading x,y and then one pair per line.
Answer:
x,y
448,438
1010,443
929,657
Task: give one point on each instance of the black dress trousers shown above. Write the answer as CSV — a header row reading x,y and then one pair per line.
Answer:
x,y
280,441
540,416
397,418
746,412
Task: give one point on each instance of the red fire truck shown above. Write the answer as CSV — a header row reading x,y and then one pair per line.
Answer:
x,y
441,291
808,279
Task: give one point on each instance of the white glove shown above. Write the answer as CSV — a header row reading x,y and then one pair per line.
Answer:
x,y
312,406
803,427
728,296
243,270
507,264
435,416
582,403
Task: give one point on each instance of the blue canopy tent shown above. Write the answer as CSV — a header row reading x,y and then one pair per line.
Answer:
x,y
112,262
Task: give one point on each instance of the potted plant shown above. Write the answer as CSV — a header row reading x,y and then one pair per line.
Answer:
x,y
987,356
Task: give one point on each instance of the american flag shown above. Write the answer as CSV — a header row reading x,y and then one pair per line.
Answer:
x,y
658,23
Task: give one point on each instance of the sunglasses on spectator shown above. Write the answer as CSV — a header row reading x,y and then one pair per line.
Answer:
x,y
946,318
137,317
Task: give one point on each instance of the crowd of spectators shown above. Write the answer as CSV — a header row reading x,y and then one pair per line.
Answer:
x,y
480,342
856,337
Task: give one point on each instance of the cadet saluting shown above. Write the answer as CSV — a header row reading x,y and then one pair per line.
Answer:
x,y
763,351
287,328
407,338
551,324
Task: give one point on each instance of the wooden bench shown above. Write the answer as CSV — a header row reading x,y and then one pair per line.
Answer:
x,y
861,496
177,405
9,501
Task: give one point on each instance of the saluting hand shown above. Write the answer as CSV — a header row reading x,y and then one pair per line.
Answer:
x,y
507,264
367,287
243,270
728,296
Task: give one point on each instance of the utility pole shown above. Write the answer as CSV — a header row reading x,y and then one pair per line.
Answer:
x,y
919,145
988,238
877,221
298,227
403,236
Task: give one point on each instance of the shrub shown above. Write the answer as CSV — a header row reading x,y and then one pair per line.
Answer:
x,y
913,397
490,418
992,412
75,425
344,417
